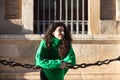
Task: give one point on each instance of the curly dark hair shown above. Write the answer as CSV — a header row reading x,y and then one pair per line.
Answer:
x,y
66,41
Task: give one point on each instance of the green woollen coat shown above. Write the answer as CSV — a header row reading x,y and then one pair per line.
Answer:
x,y
50,60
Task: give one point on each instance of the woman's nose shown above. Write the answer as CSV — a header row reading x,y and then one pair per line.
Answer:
x,y
62,32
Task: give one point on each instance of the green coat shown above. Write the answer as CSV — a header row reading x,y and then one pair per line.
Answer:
x,y
50,60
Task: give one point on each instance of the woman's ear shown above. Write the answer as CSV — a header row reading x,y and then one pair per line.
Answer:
x,y
53,33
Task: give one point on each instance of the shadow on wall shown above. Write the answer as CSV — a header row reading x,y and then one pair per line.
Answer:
x,y
18,73
20,50
17,48
13,27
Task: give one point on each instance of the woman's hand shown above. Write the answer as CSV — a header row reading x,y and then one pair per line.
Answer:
x,y
64,65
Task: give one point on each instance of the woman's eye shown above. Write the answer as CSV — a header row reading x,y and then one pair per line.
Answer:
x,y
60,30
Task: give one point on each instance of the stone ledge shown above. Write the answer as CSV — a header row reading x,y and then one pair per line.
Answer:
x,y
96,37
75,37
20,37
100,39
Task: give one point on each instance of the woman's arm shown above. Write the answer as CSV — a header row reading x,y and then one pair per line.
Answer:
x,y
70,58
42,62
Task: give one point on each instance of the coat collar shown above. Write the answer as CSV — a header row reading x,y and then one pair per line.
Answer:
x,y
56,41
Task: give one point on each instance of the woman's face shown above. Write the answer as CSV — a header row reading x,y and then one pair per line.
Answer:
x,y
59,32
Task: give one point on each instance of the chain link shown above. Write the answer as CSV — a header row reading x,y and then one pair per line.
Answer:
x,y
14,64
98,63
83,65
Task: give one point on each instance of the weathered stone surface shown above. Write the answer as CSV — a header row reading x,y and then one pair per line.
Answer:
x,y
109,27
88,49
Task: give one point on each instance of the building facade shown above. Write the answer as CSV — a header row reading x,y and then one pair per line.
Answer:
x,y
94,25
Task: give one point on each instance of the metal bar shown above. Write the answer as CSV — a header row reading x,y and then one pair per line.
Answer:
x,y
43,15
71,16
77,24
38,23
66,10
83,17
60,10
49,13
54,9
80,21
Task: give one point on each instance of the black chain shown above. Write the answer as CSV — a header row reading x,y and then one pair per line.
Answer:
x,y
98,63
83,65
14,64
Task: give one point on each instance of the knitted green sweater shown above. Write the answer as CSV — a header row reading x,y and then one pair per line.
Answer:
x,y
50,60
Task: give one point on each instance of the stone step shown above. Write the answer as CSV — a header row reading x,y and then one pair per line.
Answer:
x,y
29,76
19,76
71,75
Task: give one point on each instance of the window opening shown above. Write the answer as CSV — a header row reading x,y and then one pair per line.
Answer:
x,y
74,13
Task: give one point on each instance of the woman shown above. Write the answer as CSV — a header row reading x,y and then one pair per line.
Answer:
x,y
55,53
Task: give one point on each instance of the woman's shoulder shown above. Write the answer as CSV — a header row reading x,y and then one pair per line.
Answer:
x,y
43,40
43,43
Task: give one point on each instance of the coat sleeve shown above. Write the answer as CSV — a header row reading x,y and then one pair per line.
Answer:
x,y
41,61
70,58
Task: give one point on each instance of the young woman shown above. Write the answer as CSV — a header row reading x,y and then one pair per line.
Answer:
x,y
55,53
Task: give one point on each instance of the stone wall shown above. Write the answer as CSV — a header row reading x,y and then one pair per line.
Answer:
x,y
88,49
16,17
